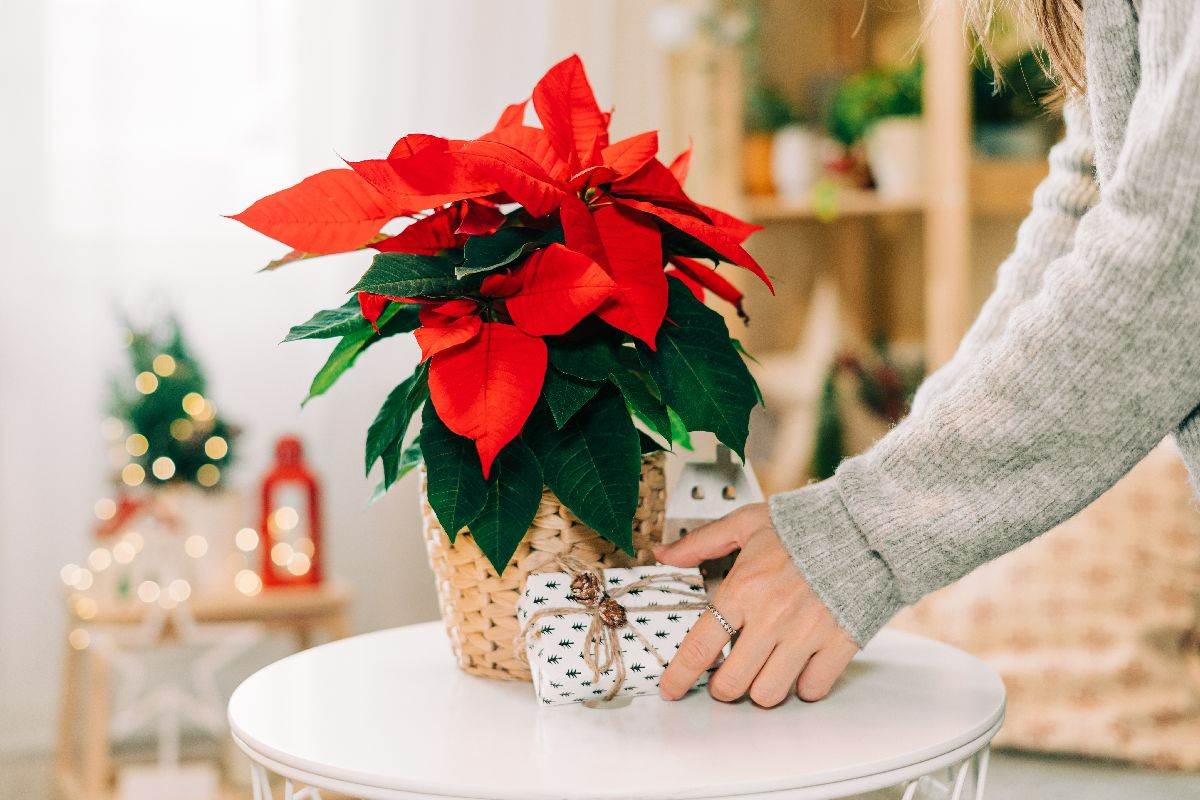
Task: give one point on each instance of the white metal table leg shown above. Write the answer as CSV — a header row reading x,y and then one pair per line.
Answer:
x,y
981,768
260,782
963,782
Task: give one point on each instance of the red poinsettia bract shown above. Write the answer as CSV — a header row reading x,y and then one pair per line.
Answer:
x,y
594,226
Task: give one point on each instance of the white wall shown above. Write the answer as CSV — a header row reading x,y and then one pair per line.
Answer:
x,y
127,129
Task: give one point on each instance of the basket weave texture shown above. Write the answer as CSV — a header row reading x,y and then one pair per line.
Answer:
x,y
479,607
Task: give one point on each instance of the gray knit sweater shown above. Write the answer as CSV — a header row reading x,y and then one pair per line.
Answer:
x,y
1086,355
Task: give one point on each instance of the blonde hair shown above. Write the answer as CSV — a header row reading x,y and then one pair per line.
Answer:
x,y
1058,23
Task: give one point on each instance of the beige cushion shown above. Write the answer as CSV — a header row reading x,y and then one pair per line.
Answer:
x,y
1093,626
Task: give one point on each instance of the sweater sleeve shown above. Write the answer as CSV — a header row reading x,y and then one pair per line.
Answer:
x,y
1062,197
1085,378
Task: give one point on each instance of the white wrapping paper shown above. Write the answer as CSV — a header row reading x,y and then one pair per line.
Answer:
x,y
555,643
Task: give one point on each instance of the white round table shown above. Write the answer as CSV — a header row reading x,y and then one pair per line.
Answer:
x,y
388,715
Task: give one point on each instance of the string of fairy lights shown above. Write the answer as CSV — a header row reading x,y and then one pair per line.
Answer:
x,y
83,580
199,413
145,557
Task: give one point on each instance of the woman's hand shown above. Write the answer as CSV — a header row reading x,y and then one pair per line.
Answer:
x,y
788,638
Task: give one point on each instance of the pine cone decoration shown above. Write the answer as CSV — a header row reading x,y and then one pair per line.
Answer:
x,y
586,589
612,613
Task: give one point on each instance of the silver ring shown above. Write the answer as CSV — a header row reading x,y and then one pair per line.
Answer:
x,y
724,623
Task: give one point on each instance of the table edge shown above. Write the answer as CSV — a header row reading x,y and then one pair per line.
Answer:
x,y
840,788
283,763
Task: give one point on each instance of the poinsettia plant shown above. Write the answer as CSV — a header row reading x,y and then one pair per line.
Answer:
x,y
554,281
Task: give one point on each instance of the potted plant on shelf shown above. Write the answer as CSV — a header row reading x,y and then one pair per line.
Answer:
x,y
863,397
767,113
554,282
1007,103
881,110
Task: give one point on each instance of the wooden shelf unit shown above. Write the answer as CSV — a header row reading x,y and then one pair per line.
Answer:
x,y
903,266
841,203
804,53
1004,187
1000,187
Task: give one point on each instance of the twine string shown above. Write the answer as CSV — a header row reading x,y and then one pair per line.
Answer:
x,y
602,646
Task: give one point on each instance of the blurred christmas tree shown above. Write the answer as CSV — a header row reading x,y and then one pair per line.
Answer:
x,y
173,432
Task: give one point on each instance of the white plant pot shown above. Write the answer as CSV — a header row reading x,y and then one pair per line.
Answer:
x,y
795,161
895,148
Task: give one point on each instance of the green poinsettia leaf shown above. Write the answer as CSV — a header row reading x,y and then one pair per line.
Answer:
x,y
396,318
408,275
737,344
484,253
641,393
330,323
454,477
566,394
702,376
680,435
677,243
343,356
591,359
648,444
593,464
514,493
397,411
399,318
741,348
397,462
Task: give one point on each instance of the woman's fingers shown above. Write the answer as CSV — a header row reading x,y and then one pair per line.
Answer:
x,y
785,629
750,652
697,652
778,676
824,668
715,539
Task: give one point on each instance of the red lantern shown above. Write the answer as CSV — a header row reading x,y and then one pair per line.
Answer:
x,y
291,519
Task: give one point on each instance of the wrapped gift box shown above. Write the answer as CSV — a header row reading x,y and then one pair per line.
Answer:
x,y
555,643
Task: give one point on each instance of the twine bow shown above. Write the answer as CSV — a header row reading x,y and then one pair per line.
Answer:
x,y
602,647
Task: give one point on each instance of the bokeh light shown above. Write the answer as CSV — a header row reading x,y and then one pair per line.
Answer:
x,y
246,539
208,475
137,445
146,382
163,468
164,365
133,474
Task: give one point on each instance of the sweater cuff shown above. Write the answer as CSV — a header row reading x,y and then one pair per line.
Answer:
x,y
849,577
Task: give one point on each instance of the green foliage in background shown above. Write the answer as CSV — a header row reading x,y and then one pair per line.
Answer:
x,y
767,110
884,386
866,97
1018,94
830,445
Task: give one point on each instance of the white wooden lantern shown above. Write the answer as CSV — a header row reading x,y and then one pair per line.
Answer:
x,y
707,491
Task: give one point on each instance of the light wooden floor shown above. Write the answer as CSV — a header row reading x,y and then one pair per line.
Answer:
x,y
1013,777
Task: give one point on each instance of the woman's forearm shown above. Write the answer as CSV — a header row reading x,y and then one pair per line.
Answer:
x,y
1084,379
1061,199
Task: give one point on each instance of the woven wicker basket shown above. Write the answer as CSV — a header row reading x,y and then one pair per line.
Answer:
x,y
479,607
